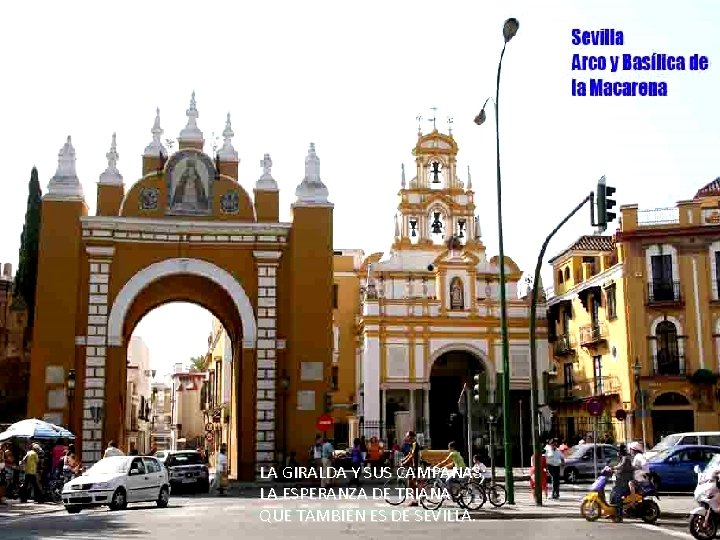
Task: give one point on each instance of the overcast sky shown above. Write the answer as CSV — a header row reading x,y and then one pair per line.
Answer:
x,y
352,77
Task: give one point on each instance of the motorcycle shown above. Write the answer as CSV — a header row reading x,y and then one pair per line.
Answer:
x,y
642,505
704,519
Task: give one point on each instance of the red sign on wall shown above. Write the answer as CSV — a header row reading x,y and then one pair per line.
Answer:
x,y
324,422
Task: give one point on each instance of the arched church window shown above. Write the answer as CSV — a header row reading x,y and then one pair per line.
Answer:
x,y
668,353
560,277
457,294
567,273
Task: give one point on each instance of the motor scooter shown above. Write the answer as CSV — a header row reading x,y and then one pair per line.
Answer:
x,y
702,525
641,505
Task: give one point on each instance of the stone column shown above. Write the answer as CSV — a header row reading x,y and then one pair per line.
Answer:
x,y
266,350
100,259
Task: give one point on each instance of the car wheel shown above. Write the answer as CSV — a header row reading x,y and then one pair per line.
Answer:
x,y
571,475
119,500
73,509
164,497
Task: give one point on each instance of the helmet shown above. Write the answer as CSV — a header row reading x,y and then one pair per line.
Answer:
x,y
635,446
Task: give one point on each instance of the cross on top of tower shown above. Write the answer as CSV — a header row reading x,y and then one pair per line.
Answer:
x,y
434,118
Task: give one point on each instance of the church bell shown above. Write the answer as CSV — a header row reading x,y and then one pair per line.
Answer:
x,y
436,224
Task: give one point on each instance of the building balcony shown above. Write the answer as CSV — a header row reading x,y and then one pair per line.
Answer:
x,y
583,389
593,334
664,292
667,365
564,345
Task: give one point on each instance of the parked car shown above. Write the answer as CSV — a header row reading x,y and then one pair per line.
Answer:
x,y
674,468
187,469
702,438
580,462
117,481
161,455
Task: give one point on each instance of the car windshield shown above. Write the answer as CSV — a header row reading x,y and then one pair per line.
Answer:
x,y
666,442
190,458
111,465
662,456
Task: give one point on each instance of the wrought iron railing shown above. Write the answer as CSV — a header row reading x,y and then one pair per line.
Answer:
x,y
668,364
593,333
564,345
584,388
664,291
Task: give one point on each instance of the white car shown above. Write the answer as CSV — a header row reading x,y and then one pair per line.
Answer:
x,y
117,481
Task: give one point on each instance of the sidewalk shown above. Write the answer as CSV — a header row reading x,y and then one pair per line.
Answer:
x,y
16,509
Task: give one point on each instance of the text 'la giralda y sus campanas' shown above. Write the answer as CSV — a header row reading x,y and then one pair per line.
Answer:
x,y
614,63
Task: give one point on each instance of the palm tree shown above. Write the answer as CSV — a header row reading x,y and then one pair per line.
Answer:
x,y
198,363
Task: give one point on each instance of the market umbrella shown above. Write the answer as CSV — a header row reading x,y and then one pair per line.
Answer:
x,y
32,428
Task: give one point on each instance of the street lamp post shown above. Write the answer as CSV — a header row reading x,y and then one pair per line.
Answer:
x,y
637,368
510,28
70,397
285,382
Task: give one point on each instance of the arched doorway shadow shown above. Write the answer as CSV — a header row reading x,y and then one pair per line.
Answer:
x,y
450,371
671,413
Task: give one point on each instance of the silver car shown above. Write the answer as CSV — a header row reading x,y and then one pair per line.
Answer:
x,y
580,461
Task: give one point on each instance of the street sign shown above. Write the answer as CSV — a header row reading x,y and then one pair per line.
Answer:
x,y
594,407
209,436
209,427
324,422
621,414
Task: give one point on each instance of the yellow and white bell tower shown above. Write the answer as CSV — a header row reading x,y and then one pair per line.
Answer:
x,y
436,205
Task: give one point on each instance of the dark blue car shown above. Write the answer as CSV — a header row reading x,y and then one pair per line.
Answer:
x,y
673,468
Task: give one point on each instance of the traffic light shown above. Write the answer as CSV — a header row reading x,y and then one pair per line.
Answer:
x,y
604,204
476,387
328,402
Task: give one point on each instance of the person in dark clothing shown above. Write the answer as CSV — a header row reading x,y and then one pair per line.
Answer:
x,y
412,461
356,458
624,473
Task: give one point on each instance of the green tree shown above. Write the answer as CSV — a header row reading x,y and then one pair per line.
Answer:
x,y
198,363
26,276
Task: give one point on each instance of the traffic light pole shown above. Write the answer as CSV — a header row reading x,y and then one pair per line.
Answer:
x,y
534,406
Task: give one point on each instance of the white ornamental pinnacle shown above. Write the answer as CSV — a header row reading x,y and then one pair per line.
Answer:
x,y
112,176
402,181
65,185
266,182
227,152
156,148
469,179
311,190
191,132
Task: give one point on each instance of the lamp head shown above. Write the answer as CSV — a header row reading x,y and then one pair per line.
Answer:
x,y
481,117
71,379
510,28
637,367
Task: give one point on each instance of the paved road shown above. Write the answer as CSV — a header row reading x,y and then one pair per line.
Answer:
x,y
220,518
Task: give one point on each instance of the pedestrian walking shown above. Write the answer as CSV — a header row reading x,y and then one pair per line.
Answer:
x,y
221,471
113,450
356,458
555,459
327,454
31,464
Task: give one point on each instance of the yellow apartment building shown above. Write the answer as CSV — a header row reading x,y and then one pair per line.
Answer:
x,y
587,334
672,275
